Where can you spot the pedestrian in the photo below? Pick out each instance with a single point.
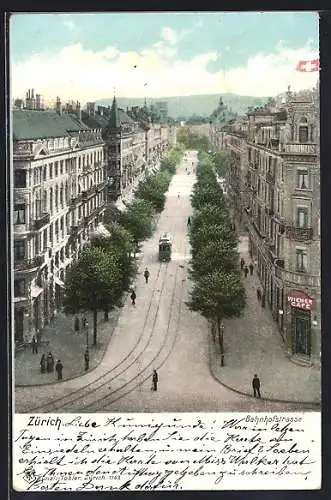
(50, 363)
(84, 322)
(256, 386)
(59, 368)
(76, 327)
(242, 263)
(133, 297)
(178, 195)
(246, 271)
(146, 274)
(155, 380)
(34, 345)
(189, 221)
(87, 360)
(43, 364)
(251, 268)
(258, 294)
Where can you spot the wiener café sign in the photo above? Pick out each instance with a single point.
(300, 300)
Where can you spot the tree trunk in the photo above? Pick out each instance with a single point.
(95, 321)
(220, 339)
(106, 315)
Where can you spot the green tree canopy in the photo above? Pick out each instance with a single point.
(138, 219)
(94, 283)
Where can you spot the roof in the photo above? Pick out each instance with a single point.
(31, 124)
(118, 116)
(94, 121)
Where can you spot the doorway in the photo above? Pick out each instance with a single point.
(301, 332)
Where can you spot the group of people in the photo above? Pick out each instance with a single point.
(47, 365)
(246, 268)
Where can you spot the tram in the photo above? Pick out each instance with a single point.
(165, 246)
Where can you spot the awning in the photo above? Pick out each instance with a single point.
(101, 231)
(59, 282)
(36, 291)
(120, 205)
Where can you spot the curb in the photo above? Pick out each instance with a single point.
(237, 391)
(75, 376)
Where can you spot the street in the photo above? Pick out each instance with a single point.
(159, 332)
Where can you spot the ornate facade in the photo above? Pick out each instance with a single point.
(58, 172)
(274, 189)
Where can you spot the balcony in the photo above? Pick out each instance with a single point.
(40, 222)
(297, 279)
(29, 264)
(270, 177)
(88, 193)
(306, 149)
(299, 233)
(93, 214)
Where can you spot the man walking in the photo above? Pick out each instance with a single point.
(155, 380)
(251, 268)
(246, 271)
(256, 386)
(133, 297)
(242, 263)
(87, 360)
(146, 275)
(34, 345)
(59, 368)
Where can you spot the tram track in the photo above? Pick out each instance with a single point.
(93, 386)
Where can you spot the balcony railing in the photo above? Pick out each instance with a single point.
(28, 264)
(88, 192)
(299, 233)
(300, 148)
(40, 222)
(296, 278)
(91, 216)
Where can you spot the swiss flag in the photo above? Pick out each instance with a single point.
(308, 66)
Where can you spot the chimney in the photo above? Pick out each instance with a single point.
(58, 106)
(91, 108)
(38, 101)
(78, 111)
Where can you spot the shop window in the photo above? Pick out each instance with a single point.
(19, 214)
(301, 260)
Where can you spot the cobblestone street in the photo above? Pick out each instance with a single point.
(160, 332)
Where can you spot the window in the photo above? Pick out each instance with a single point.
(51, 170)
(51, 234)
(19, 214)
(51, 200)
(302, 179)
(44, 172)
(56, 167)
(20, 178)
(56, 197)
(302, 217)
(301, 260)
(19, 288)
(45, 239)
(61, 167)
(19, 250)
(303, 133)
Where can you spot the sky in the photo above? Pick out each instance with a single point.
(87, 57)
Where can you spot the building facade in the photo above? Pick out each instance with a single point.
(59, 198)
(274, 189)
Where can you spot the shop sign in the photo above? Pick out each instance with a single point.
(300, 299)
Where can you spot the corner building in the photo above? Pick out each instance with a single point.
(59, 199)
(274, 189)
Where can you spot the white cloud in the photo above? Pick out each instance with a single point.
(80, 74)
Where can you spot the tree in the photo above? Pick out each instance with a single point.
(221, 162)
(210, 214)
(218, 295)
(215, 255)
(94, 283)
(138, 220)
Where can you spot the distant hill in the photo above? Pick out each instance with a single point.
(201, 105)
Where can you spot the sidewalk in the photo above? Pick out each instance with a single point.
(67, 345)
(252, 345)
